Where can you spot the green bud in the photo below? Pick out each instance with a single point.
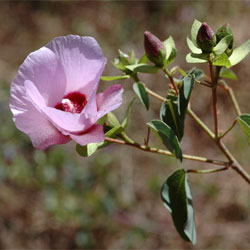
(223, 31)
(154, 49)
(206, 38)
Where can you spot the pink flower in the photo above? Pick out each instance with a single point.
(53, 97)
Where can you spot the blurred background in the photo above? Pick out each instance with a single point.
(55, 199)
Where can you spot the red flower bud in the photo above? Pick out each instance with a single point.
(206, 38)
(154, 48)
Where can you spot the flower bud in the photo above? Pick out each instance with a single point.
(223, 31)
(206, 38)
(154, 48)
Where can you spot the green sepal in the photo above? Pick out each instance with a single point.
(167, 136)
(194, 31)
(192, 47)
(176, 196)
(142, 94)
(171, 50)
(196, 58)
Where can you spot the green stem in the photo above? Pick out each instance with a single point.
(168, 153)
(201, 123)
(171, 80)
(232, 97)
(228, 130)
(206, 171)
(214, 79)
(126, 138)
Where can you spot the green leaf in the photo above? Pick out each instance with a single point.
(169, 114)
(227, 73)
(171, 50)
(167, 136)
(143, 68)
(244, 121)
(177, 197)
(143, 59)
(87, 150)
(196, 58)
(112, 120)
(192, 47)
(196, 73)
(127, 114)
(222, 45)
(222, 60)
(240, 53)
(142, 94)
(194, 31)
(184, 95)
(112, 78)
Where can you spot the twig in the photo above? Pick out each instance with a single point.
(232, 96)
(165, 152)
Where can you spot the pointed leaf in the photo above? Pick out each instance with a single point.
(196, 58)
(222, 45)
(192, 47)
(228, 73)
(143, 68)
(126, 118)
(167, 136)
(112, 78)
(169, 114)
(240, 53)
(222, 60)
(184, 95)
(177, 197)
(244, 121)
(142, 94)
(194, 31)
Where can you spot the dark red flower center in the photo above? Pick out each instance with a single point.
(73, 102)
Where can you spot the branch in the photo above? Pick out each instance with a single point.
(165, 152)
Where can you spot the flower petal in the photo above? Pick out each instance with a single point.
(109, 100)
(34, 95)
(96, 134)
(82, 60)
(68, 122)
(41, 132)
(43, 68)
